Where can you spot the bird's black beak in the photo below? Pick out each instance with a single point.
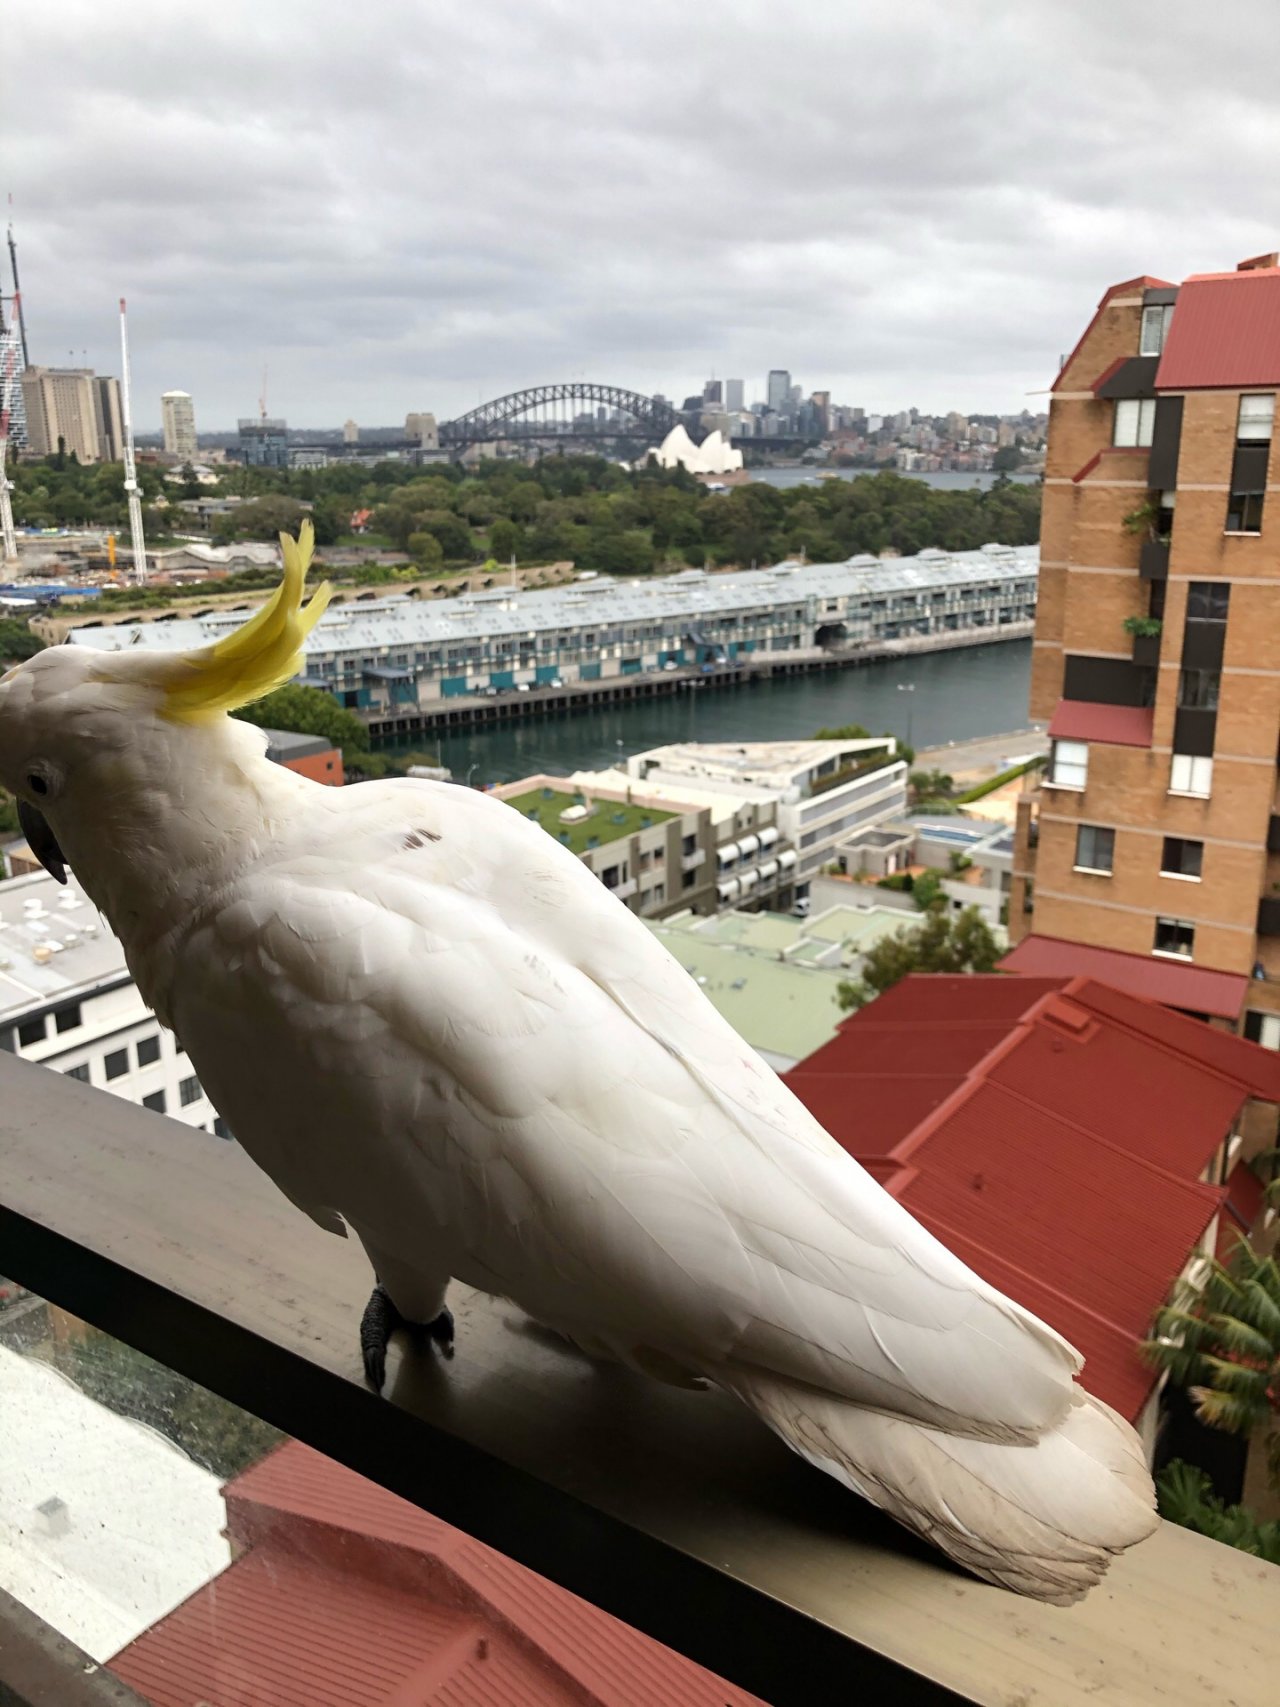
(42, 841)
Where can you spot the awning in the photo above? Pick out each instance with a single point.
(728, 853)
(1112, 725)
(787, 858)
(749, 846)
(1195, 989)
(384, 673)
(750, 879)
(728, 889)
(768, 870)
(768, 836)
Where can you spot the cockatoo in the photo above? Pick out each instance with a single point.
(430, 1024)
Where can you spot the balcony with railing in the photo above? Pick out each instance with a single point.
(672, 1509)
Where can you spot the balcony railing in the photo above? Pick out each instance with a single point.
(691, 861)
(674, 1510)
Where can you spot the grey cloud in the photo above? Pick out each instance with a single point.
(409, 206)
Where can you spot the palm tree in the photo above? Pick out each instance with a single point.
(1219, 1338)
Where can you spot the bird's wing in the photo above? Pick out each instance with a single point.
(623, 1161)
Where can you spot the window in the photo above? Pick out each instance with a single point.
(116, 1064)
(688, 879)
(1134, 422)
(1198, 690)
(1189, 775)
(1254, 423)
(1207, 601)
(689, 845)
(81, 1072)
(1244, 512)
(1069, 764)
(1095, 848)
(1262, 1028)
(1181, 858)
(1155, 329)
(31, 1031)
(6, 1039)
(1175, 937)
(67, 1019)
(155, 1101)
(221, 1129)
(189, 1091)
(148, 1050)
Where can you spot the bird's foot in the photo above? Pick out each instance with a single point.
(380, 1321)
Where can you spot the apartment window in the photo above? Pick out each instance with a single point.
(221, 1129)
(189, 1091)
(6, 1040)
(116, 1065)
(1069, 764)
(689, 846)
(1256, 415)
(148, 1051)
(1155, 329)
(1181, 858)
(1244, 512)
(1207, 601)
(67, 1019)
(611, 877)
(1175, 937)
(155, 1101)
(1198, 690)
(1189, 775)
(81, 1072)
(688, 879)
(1095, 848)
(1262, 1028)
(1135, 420)
(31, 1031)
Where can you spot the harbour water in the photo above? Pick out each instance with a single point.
(927, 700)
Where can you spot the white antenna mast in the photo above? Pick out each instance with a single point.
(130, 473)
(8, 357)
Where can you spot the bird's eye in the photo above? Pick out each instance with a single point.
(37, 784)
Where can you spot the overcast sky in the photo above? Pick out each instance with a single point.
(405, 205)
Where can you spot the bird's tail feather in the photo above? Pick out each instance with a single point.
(1044, 1519)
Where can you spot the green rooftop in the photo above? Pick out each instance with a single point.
(608, 820)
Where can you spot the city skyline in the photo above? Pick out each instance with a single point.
(650, 207)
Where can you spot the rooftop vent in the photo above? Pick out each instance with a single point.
(55, 1515)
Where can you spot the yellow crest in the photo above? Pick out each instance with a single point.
(262, 654)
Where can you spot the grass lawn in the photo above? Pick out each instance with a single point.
(609, 820)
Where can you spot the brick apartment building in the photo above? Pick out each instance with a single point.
(1149, 853)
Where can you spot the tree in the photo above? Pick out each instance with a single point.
(426, 552)
(504, 540)
(846, 732)
(942, 942)
(308, 711)
(1219, 1337)
(1186, 1497)
(17, 641)
(931, 785)
(261, 518)
(1006, 459)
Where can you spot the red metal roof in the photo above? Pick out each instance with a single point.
(1225, 332)
(1126, 286)
(1062, 1162)
(1177, 984)
(1115, 725)
(346, 1596)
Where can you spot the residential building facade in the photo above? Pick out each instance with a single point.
(67, 1001)
(1154, 833)
(823, 790)
(63, 404)
(179, 421)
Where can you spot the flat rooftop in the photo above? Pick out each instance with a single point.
(606, 822)
(53, 943)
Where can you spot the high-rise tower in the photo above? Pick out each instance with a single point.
(179, 420)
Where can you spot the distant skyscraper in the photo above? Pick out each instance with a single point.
(713, 392)
(778, 389)
(821, 401)
(733, 395)
(264, 442)
(179, 418)
(350, 433)
(65, 403)
(11, 366)
(108, 418)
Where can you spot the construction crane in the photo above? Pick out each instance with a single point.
(17, 291)
(130, 473)
(8, 379)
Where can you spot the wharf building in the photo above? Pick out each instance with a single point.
(1149, 856)
(394, 654)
